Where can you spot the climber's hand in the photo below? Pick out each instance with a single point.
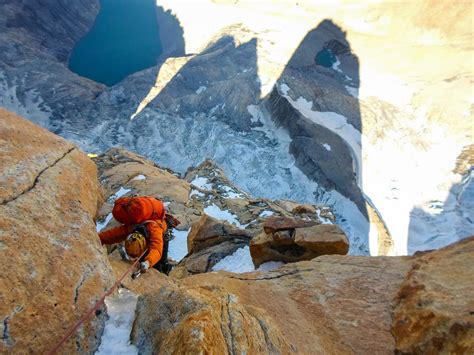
(144, 266)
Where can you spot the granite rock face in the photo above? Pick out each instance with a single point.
(322, 298)
(434, 311)
(332, 304)
(203, 319)
(53, 267)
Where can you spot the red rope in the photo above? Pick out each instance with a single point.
(86, 315)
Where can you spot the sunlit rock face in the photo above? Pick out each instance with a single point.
(371, 103)
(332, 304)
(430, 315)
(52, 268)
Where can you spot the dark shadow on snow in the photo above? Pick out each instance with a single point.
(427, 227)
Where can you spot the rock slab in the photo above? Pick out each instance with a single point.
(52, 267)
(329, 305)
(434, 311)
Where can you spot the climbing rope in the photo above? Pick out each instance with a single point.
(101, 300)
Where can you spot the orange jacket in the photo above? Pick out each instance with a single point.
(156, 231)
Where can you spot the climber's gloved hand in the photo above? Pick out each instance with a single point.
(144, 266)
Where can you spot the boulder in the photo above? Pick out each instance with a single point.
(209, 241)
(53, 267)
(434, 311)
(322, 239)
(209, 231)
(291, 240)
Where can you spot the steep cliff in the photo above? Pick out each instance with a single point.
(332, 304)
(53, 267)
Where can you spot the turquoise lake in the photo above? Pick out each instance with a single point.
(325, 58)
(124, 39)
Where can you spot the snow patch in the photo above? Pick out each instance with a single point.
(101, 225)
(178, 247)
(240, 261)
(121, 313)
(322, 219)
(196, 193)
(201, 89)
(266, 213)
(353, 91)
(230, 193)
(327, 146)
(254, 112)
(216, 212)
(284, 89)
(121, 192)
(202, 183)
(336, 65)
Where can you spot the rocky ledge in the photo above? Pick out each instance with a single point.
(331, 305)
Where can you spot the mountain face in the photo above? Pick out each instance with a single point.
(54, 269)
(321, 104)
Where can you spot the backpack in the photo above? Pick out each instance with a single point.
(136, 210)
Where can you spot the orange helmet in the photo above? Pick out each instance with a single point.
(135, 245)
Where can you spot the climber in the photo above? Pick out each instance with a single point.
(146, 227)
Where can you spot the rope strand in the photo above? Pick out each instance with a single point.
(86, 315)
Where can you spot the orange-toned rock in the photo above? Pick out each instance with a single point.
(434, 313)
(323, 239)
(329, 305)
(203, 320)
(297, 244)
(52, 267)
